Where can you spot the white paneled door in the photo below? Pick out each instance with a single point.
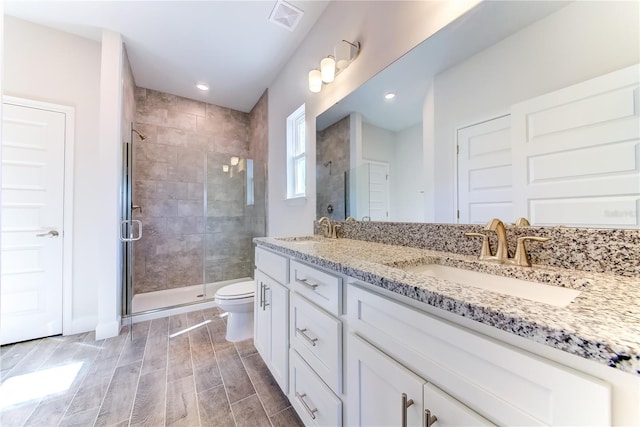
(33, 142)
(378, 191)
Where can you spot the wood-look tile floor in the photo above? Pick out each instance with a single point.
(148, 378)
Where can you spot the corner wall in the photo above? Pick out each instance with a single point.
(386, 31)
(52, 66)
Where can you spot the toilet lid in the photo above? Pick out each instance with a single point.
(236, 290)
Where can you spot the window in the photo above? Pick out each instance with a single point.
(296, 154)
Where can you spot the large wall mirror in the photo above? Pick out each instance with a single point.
(515, 109)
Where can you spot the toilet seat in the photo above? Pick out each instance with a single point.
(236, 291)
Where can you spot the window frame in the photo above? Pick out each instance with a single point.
(296, 173)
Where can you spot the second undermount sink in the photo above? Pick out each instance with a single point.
(547, 294)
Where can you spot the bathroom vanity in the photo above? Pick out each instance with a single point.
(376, 334)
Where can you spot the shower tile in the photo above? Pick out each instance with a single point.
(197, 141)
(143, 189)
(151, 116)
(184, 225)
(171, 136)
(172, 190)
(150, 170)
(181, 121)
(209, 125)
(195, 191)
(148, 130)
(190, 208)
(182, 171)
(190, 106)
(156, 152)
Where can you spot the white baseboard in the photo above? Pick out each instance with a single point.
(108, 329)
(80, 325)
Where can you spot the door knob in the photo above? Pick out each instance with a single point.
(51, 233)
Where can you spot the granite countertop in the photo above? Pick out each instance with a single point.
(601, 324)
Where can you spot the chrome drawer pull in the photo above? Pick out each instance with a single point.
(310, 340)
(405, 404)
(306, 283)
(264, 298)
(429, 419)
(310, 411)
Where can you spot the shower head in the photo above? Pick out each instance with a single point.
(142, 137)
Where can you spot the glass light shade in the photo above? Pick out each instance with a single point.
(234, 161)
(328, 69)
(315, 81)
(225, 168)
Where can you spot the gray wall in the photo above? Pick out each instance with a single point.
(332, 144)
(187, 144)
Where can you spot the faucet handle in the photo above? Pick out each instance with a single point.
(521, 257)
(485, 251)
(522, 222)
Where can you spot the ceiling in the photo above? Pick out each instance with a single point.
(230, 45)
(411, 75)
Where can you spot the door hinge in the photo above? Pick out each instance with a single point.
(457, 149)
(458, 214)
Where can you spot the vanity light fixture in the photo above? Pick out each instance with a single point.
(202, 86)
(225, 168)
(315, 81)
(389, 95)
(234, 160)
(344, 54)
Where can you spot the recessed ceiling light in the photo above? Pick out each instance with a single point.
(389, 95)
(202, 86)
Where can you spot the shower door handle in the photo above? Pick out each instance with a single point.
(127, 230)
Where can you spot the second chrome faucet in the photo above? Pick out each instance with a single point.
(521, 257)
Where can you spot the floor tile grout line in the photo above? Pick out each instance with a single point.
(224, 385)
(22, 358)
(115, 368)
(133, 403)
(281, 411)
(254, 386)
(193, 374)
(80, 385)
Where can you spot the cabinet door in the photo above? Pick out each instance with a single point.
(448, 411)
(375, 388)
(277, 297)
(262, 321)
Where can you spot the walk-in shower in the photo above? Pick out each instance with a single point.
(197, 206)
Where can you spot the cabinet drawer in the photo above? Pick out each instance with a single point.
(317, 336)
(501, 382)
(319, 287)
(448, 411)
(274, 265)
(314, 402)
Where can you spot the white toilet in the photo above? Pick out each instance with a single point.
(237, 300)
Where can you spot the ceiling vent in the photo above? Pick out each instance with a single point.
(286, 15)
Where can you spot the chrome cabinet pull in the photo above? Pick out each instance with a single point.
(261, 294)
(429, 419)
(311, 412)
(306, 283)
(310, 340)
(405, 404)
(264, 298)
(50, 233)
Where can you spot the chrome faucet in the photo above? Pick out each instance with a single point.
(502, 253)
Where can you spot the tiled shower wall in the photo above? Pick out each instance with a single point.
(332, 145)
(190, 239)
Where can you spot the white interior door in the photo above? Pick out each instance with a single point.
(32, 219)
(578, 151)
(379, 191)
(484, 171)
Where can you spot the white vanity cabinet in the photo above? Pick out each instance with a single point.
(466, 374)
(316, 352)
(271, 314)
(384, 392)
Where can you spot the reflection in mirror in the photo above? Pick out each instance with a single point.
(539, 98)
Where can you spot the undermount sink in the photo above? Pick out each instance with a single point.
(547, 294)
